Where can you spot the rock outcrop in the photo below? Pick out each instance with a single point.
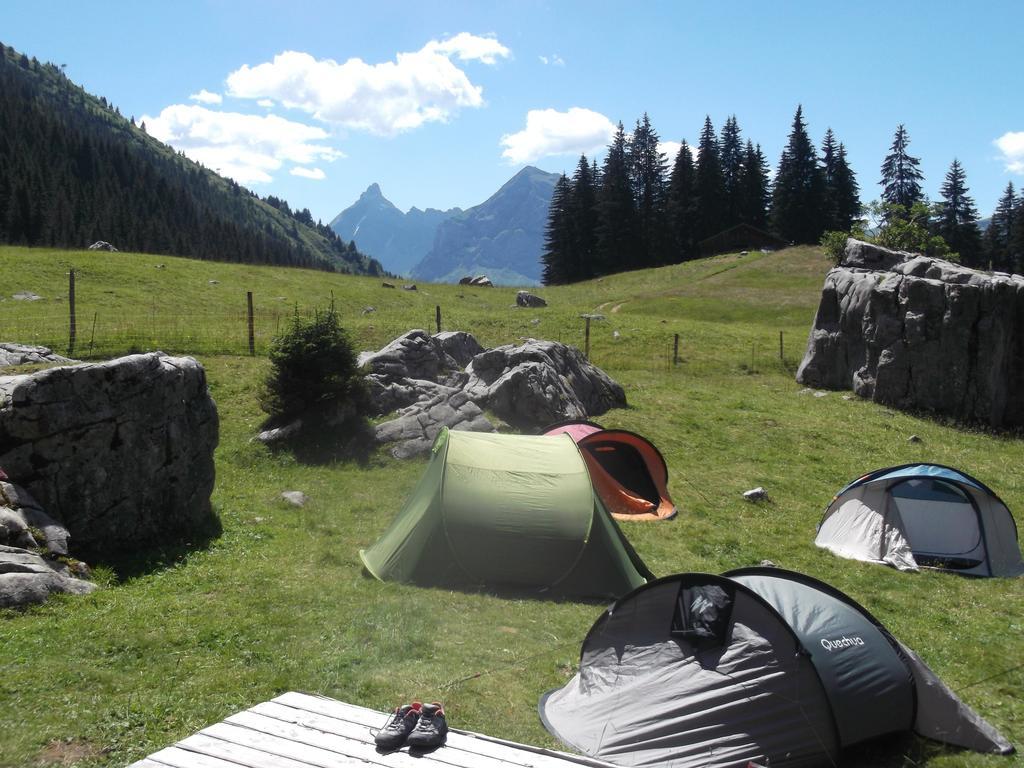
(459, 346)
(27, 577)
(421, 377)
(413, 355)
(920, 333)
(528, 386)
(417, 426)
(527, 299)
(120, 452)
(539, 382)
(34, 560)
(21, 354)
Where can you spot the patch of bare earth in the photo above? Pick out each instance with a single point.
(69, 752)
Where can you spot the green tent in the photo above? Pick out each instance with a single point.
(511, 511)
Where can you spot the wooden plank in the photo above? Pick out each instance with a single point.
(520, 754)
(298, 730)
(239, 754)
(175, 757)
(282, 748)
(351, 739)
(369, 718)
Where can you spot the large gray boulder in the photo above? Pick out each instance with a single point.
(539, 382)
(413, 355)
(23, 523)
(920, 333)
(528, 386)
(27, 577)
(416, 427)
(34, 560)
(460, 346)
(389, 394)
(120, 452)
(421, 377)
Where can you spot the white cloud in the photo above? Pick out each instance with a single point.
(470, 48)
(266, 103)
(385, 99)
(205, 97)
(1011, 144)
(549, 132)
(247, 148)
(309, 173)
(554, 59)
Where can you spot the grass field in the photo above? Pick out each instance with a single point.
(181, 638)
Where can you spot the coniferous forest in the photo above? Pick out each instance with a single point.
(637, 210)
(74, 171)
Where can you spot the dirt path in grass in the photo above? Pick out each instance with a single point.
(614, 309)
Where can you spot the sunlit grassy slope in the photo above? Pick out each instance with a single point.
(279, 602)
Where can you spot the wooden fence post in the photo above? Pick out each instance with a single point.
(675, 351)
(781, 357)
(73, 326)
(586, 342)
(437, 316)
(252, 334)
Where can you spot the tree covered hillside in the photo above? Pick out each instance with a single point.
(73, 171)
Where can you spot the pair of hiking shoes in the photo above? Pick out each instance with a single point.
(417, 725)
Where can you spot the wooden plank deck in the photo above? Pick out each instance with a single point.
(300, 730)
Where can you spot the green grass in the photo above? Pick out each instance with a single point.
(279, 602)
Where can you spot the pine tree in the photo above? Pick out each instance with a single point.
(583, 222)
(709, 186)
(797, 198)
(731, 155)
(901, 178)
(681, 205)
(956, 219)
(846, 193)
(557, 236)
(1016, 245)
(754, 190)
(617, 230)
(997, 236)
(841, 199)
(829, 160)
(647, 180)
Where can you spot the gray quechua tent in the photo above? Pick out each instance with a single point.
(759, 665)
(923, 515)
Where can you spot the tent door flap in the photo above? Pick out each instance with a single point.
(702, 614)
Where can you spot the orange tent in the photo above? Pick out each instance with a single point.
(627, 471)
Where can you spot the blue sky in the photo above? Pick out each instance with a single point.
(441, 102)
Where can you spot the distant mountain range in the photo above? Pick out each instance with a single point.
(74, 171)
(398, 240)
(503, 237)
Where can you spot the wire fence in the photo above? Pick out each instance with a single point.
(249, 328)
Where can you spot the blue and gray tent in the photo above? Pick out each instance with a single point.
(923, 515)
(758, 665)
